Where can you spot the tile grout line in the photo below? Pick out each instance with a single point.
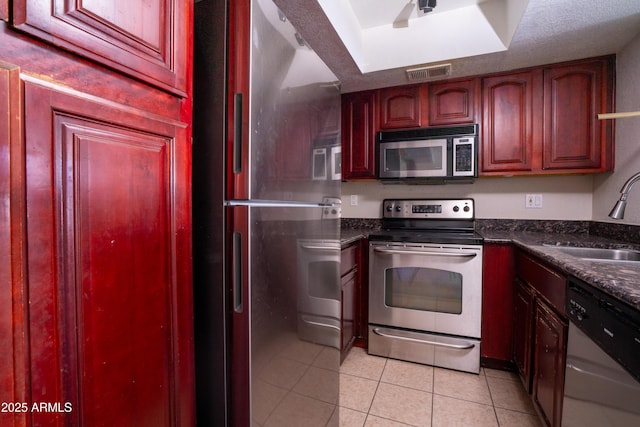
(493, 403)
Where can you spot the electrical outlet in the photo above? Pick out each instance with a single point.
(533, 201)
(354, 200)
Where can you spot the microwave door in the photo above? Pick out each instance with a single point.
(414, 159)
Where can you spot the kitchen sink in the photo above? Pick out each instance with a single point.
(600, 254)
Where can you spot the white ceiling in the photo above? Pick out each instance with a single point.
(549, 31)
(386, 34)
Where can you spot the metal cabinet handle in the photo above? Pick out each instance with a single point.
(237, 133)
(237, 271)
(410, 252)
(466, 346)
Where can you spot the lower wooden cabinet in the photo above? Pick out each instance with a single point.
(540, 334)
(347, 323)
(549, 363)
(354, 297)
(497, 302)
(523, 330)
(348, 281)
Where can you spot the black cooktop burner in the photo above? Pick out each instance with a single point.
(427, 236)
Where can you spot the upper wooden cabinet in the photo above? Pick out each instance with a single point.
(147, 40)
(510, 126)
(452, 102)
(402, 107)
(544, 120)
(535, 121)
(574, 138)
(358, 135)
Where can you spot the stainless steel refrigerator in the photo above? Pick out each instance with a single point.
(266, 217)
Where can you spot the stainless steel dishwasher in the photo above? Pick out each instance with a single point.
(602, 380)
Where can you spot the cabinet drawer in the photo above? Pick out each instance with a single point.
(550, 284)
(348, 259)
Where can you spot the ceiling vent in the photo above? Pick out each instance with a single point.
(429, 73)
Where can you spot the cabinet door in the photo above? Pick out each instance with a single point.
(109, 271)
(549, 363)
(497, 303)
(149, 40)
(347, 322)
(401, 107)
(574, 138)
(358, 135)
(523, 330)
(511, 124)
(452, 102)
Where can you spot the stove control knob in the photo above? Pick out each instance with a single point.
(398, 208)
(466, 209)
(389, 208)
(456, 209)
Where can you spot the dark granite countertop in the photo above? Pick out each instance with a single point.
(348, 236)
(618, 279)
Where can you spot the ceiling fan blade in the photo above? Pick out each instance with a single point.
(402, 20)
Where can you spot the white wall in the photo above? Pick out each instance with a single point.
(607, 188)
(564, 198)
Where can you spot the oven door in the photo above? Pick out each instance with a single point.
(319, 306)
(425, 287)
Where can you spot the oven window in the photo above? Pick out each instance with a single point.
(425, 289)
(323, 279)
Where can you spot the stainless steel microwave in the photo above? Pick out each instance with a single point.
(446, 153)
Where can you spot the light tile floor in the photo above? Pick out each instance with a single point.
(294, 385)
(375, 391)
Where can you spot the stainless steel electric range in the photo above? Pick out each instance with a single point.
(425, 283)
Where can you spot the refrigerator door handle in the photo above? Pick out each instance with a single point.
(238, 307)
(237, 134)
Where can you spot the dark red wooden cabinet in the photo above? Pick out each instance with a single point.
(350, 285)
(574, 138)
(497, 303)
(402, 107)
(453, 102)
(97, 305)
(540, 334)
(544, 120)
(108, 298)
(523, 330)
(359, 126)
(511, 122)
(147, 40)
(549, 363)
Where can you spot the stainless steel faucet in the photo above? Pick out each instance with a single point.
(618, 210)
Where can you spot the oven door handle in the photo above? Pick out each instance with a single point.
(466, 346)
(321, 248)
(410, 252)
(307, 319)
